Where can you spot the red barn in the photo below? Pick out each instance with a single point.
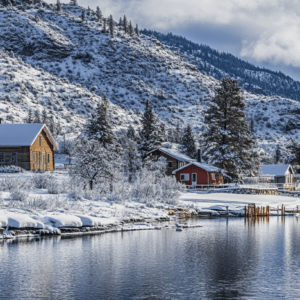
(198, 173)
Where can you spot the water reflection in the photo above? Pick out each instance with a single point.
(225, 259)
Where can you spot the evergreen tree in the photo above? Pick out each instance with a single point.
(131, 31)
(99, 128)
(131, 133)
(137, 32)
(74, 2)
(150, 135)
(178, 133)
(188, 142)
(132, 159)
(228, 142)
(104, 26)
(112, 26)
(45, 117)
(163, 130)
(294, 148)
(120, 24)
(99, 14)
(83, 18)
(277, 154)
(36, 17)
(58, 5)
(30, 117)
(89, 11)
(37, 118)
(252, 129)
(52, 127)
(125, 25)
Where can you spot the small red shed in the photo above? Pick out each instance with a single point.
(198, 173)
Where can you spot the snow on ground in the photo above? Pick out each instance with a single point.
(235, 202)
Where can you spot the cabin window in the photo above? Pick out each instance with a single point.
(14, 157)
(2, 157)
(40, 141)
(213, 176)
(170, 164)
(48, 155)
(184, 177)
(181, 164)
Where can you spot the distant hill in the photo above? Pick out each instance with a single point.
(219, 65)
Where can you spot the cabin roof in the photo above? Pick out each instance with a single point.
(174, 153)
(275, 170)
(204, 166)
(18, 135)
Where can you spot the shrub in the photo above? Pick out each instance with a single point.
(39, 180)
(53, 186)
(11, 169)
(19, 195)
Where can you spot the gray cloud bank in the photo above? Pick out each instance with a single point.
(265, 32)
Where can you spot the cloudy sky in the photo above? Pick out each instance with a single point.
(264, 32)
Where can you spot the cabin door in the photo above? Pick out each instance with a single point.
(36, 160)
(43, 167)
(194, 179)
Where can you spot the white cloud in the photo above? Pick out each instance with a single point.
(267, 30)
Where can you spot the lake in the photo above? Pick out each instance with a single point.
(224, 259)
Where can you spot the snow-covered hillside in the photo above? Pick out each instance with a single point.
(129, 70)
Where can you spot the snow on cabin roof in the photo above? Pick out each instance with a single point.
(204, 166)
(274, 170)
(16, 135)
(174, 153)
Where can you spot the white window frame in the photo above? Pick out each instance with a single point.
(16, 160)
(213, 176)
(196, 178)
(40, 141)
(2, 153)
(180, 164)
(186, 176)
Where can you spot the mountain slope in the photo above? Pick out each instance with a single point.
(129, 70)
(220, 65)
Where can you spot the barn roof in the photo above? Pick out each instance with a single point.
(204, 166)
(18, 135)
(174, 153)
(275, 170)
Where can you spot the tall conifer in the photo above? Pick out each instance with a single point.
(188, 142)
(228, 142)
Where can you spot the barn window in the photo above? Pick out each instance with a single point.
(2, 157)
(170, 164)
(48, 158)
(184, 177)
(213, 176)
(14, 157)
(40, 141)
(181, 164)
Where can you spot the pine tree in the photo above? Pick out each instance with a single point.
(45, 117)
(163, 130)
(104, 26)
(178, 133)
(52, 127)
(89, 11)
(120, 24)
(36, 18)
(74, 2)
(131, 133)
(131, 31)
(99, 128)
(132, 159)
(150, 135)
(83, 18)
(37, 118)
(252, 129)
(58, 5)
(188, 142)
(112, 26)
(228, 142)
(277, 154)
(137, 32)
(30, 117)
(294, 148)
(125, 25)
(99, 14)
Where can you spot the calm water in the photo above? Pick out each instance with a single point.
(226, 259)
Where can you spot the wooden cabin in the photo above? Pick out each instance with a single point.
(198, 174)
(30, 146)
(175, 159)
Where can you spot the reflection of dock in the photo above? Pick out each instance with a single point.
(256, 211)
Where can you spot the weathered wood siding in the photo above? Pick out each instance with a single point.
(37, 152)
(23, 156)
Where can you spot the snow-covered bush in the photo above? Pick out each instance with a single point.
(12, 183)
(39, 180)
(1, 199)
(19, 195)
(11, 169)
(54, 186)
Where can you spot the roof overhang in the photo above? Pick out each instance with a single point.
(49, 136)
